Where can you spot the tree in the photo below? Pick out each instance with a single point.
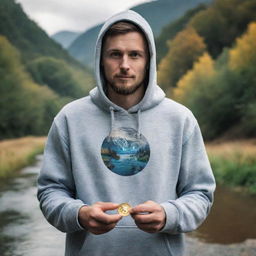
(184, 49)
(23, 103)
(223, 22)
(172, 29)
(193, 81)
(60, 77)
(243, 54)
(222, 93)
(242, 61)
(207, 91)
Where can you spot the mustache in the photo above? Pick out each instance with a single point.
(124, 76)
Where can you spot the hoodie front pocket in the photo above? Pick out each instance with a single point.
(125, 240)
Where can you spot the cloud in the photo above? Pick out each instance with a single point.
(76, 15)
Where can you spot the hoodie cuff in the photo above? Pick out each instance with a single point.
(71, 221)
(172, 218)
(77, 218)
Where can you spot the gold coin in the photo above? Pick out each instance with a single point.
(123, 209)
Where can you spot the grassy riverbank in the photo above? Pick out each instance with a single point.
(234, 163)
(17, 153)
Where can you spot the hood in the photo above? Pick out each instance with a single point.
(153, 94)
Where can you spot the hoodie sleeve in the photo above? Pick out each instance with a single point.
(195, 188)
(56, 189)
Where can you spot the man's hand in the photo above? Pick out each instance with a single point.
(149, 216)
(95, 220)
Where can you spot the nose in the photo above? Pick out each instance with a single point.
(124, 64)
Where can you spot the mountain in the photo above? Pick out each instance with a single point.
(219, 86)
(31, 41)
(37, 75)
(65, 38)
(157, 13)
(161, 12)
(83, 47)
(170, 30)
(27, 36)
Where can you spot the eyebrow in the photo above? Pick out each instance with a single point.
(118, 50)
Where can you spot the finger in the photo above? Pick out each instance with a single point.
(143, 218)
(142, 208)
(106, 218)
(99, 215)
(106, 206)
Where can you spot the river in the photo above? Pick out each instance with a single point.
(25, 232)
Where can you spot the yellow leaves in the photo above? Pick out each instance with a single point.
(241, 56)
(203, 69)
(163, 73)
(186, 39)
(184, 49)
(244, 52)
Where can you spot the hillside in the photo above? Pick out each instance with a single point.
(33, 43)
(170, 30)
(26, 35)
(83, 47)
(161, 12)
(157, 13)
(65, 38)
(209, 66)
(37, 75)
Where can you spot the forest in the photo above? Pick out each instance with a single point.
(206, 61)
(209, 65)
(37, 75)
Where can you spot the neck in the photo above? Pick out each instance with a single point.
(126, 101)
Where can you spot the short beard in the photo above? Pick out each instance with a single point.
(125, 91)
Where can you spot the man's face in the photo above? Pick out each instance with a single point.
(124, 62)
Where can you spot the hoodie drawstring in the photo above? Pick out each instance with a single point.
(112, 117)
(138, 123)
(112, 112)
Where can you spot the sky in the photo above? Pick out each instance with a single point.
(73, 15)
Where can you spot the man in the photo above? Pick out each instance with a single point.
(125, 143)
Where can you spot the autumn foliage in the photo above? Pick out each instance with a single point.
(210, 67)
(222, 92)
(184, 50)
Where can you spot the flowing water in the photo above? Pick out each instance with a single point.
(23, 229)
(25, 232)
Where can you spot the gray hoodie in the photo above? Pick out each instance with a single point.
(98, 151)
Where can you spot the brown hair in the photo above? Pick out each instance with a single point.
(121, 28)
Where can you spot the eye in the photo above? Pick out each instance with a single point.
(115, 54)
(134, 55)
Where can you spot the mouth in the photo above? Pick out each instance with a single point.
(124, 77)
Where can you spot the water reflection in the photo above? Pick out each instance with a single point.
(232, 219)
(14, 218)
(23, 230)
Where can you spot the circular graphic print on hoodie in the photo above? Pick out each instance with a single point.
(124, 152)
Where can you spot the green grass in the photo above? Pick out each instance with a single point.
(234, 164)
(235, 174)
